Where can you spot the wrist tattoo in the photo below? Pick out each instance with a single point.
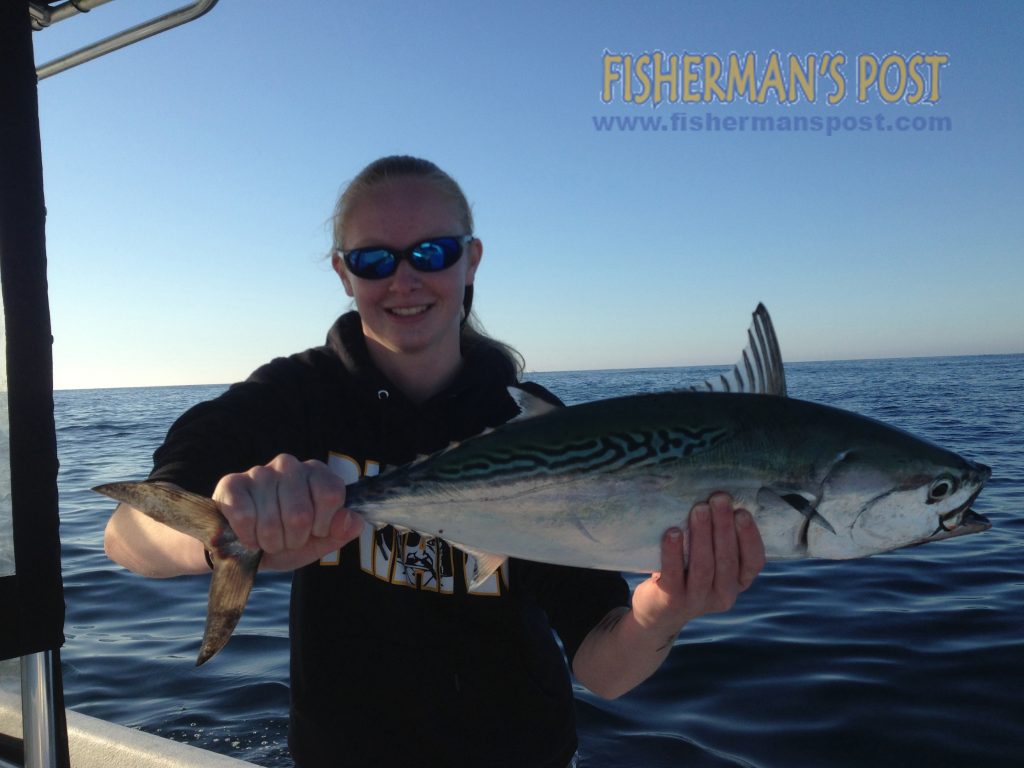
(668, 644)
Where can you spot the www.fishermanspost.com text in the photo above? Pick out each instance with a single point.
(708, 122)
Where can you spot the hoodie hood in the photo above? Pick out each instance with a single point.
(455, 413)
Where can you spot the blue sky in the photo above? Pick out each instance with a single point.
(190, 177)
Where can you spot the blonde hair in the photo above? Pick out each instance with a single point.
(387, 169)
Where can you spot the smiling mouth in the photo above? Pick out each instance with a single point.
(409, 311)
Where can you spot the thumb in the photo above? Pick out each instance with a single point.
(345, 526)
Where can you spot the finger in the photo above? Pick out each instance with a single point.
(327, 492)
(701, 572)
(263, 488)
(751, 545)
(727, 556)
(295, 505)
(671, 576)
(237, 505)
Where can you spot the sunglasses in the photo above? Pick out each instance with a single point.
(433, 255)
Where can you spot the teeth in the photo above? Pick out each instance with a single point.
(408, 311)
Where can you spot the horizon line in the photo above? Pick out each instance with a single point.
(533, 372)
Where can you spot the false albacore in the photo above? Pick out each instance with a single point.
(596, 484)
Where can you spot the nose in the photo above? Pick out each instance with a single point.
(405, 277)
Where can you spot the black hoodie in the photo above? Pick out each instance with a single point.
(393, 662)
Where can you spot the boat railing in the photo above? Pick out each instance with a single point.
(43, 15)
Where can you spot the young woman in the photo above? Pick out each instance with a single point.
(390, 651)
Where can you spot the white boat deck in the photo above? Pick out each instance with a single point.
(95, 743)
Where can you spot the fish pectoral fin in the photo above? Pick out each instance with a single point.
(819, 519)
(230, 585)
(805, 508)
(482, 566)
(777, 509)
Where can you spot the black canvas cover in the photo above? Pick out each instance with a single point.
(31, 592)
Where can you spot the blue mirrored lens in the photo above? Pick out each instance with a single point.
(435, 255)
(371, 262)
(428, 256)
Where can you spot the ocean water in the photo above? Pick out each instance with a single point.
(912, 658)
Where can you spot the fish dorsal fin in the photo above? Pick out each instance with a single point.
(759, 370)
(529, 405)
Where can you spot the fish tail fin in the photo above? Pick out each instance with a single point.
(234, 566)
(233, 577)
(189, 513)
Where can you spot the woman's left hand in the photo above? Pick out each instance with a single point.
(702, 570)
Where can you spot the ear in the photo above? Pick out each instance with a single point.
(474, 252)
(338, 265)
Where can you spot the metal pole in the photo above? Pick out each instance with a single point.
(127, 37)
(37, 710)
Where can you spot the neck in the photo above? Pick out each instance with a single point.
(419, 376)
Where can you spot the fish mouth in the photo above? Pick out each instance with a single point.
(961, 521)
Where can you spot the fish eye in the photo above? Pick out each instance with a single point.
(941, 487)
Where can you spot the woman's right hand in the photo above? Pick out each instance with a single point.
(293, 510)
